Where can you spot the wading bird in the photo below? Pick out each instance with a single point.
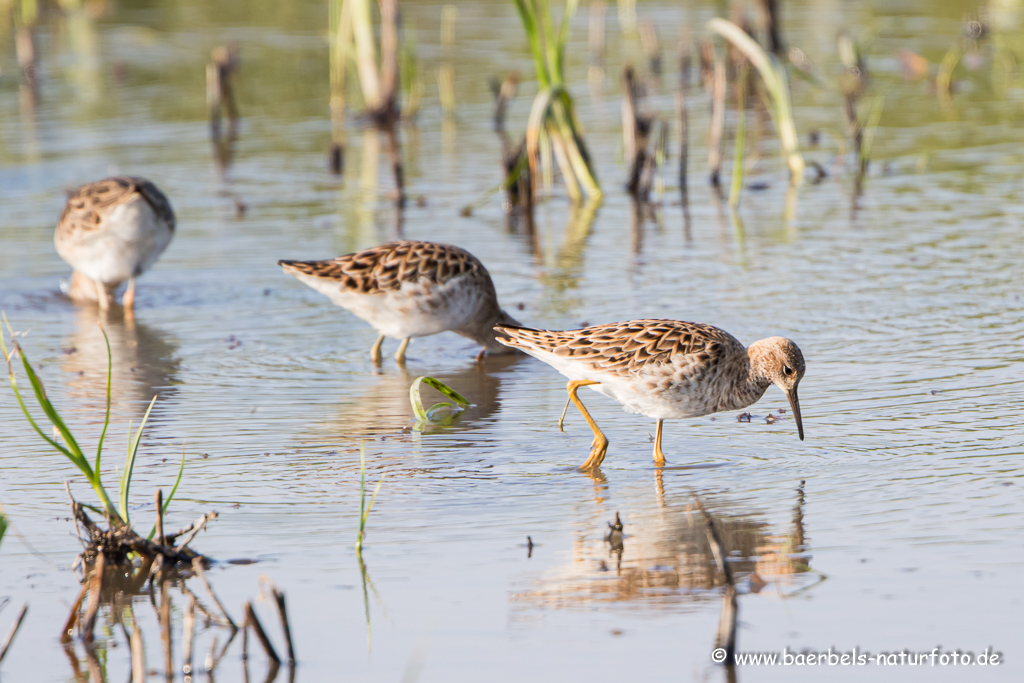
(111, 231)
(663, 369)
(409, 289)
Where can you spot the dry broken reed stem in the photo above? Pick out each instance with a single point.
(6, 644)
(93, 607)
(770, 19)
(25, 50)
(252, 621)
(684, 84)
(595, 37)
(188, 634)
(220, 92)
(707, 65)
(159, 498)
(503, 93)
(245, 641)
(651, 48)
(192, 530)
(739, 157)
(640, 139)
(725, 638)
(197, 567)
(282, 611)
(717, 123)
(446, 72)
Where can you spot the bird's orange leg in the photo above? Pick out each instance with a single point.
(102, 296)
(375, 351)
(599, 446)
(659, 457)
(400, 354)
(128, 299)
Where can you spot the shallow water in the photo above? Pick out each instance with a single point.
(895, 525)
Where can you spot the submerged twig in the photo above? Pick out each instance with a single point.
(165, 629)
(726, 636)
(93, 606)
(13, 631)
(197, 567)
(188, 634)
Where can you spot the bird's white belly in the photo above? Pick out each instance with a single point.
(132, 238)
(644, 393)
(418, 309)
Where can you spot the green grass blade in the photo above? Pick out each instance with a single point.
(78, 461)
(3, 526)
(129, 463)
(362, 486)
(871, 127)
(528, 16)
(369, 507)
(51, 413)
(417, 401)
(563, 39)
(106, 417)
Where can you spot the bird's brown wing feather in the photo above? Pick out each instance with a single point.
(385, 267)
(628, 346)
(88, 206)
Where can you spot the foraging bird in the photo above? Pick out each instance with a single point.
(110, 231)
(409, 289)
(663, 369)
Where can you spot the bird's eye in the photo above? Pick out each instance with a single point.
(786, 370)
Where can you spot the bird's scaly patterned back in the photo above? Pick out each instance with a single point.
(627, 347)
(88, 206)
(384, 268)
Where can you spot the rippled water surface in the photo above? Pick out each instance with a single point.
(896, 525)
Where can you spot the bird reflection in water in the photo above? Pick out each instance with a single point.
(669, 560)
(382, 406)
(143, 364)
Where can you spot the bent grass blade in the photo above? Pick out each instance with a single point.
(443, 413)
(773, 74)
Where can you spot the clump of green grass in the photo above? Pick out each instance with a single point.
(553, 130)
(773, 74)
(120, 539)
(3, 524)
(443, 413)
(70, 449)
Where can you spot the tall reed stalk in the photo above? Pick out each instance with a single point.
(773, 74)
(553, 130)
